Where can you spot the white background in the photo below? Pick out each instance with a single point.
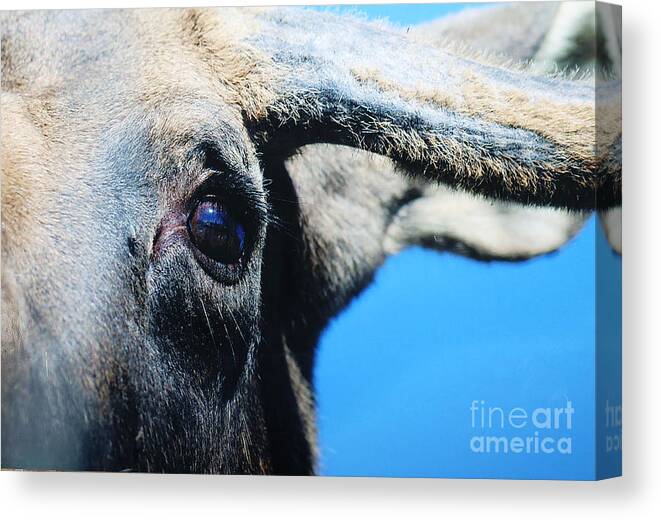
(636, 495)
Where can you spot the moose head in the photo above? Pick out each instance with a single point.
(171, 250)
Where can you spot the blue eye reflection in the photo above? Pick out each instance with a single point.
(216, 233)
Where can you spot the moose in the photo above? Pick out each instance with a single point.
(190, 195)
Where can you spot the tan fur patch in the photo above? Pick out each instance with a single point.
(246, 74)
(22, 147)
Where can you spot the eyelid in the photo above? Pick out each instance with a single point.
(235, 191)
(226, 175)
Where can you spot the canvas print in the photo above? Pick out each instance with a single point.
(375, 240)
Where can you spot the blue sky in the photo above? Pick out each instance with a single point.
(397, 371)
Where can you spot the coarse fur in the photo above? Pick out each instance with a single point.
(510, 35)
(123, 347)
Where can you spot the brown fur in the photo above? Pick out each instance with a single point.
(563, 123)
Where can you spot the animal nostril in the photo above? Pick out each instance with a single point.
(216, 233)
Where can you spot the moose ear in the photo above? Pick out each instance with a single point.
(514, 31)
(554, 36)
(448, 220)
(483, 129)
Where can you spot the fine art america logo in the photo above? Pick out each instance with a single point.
(613, 414)
(502, 430)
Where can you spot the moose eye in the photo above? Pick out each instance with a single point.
(216, 233)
